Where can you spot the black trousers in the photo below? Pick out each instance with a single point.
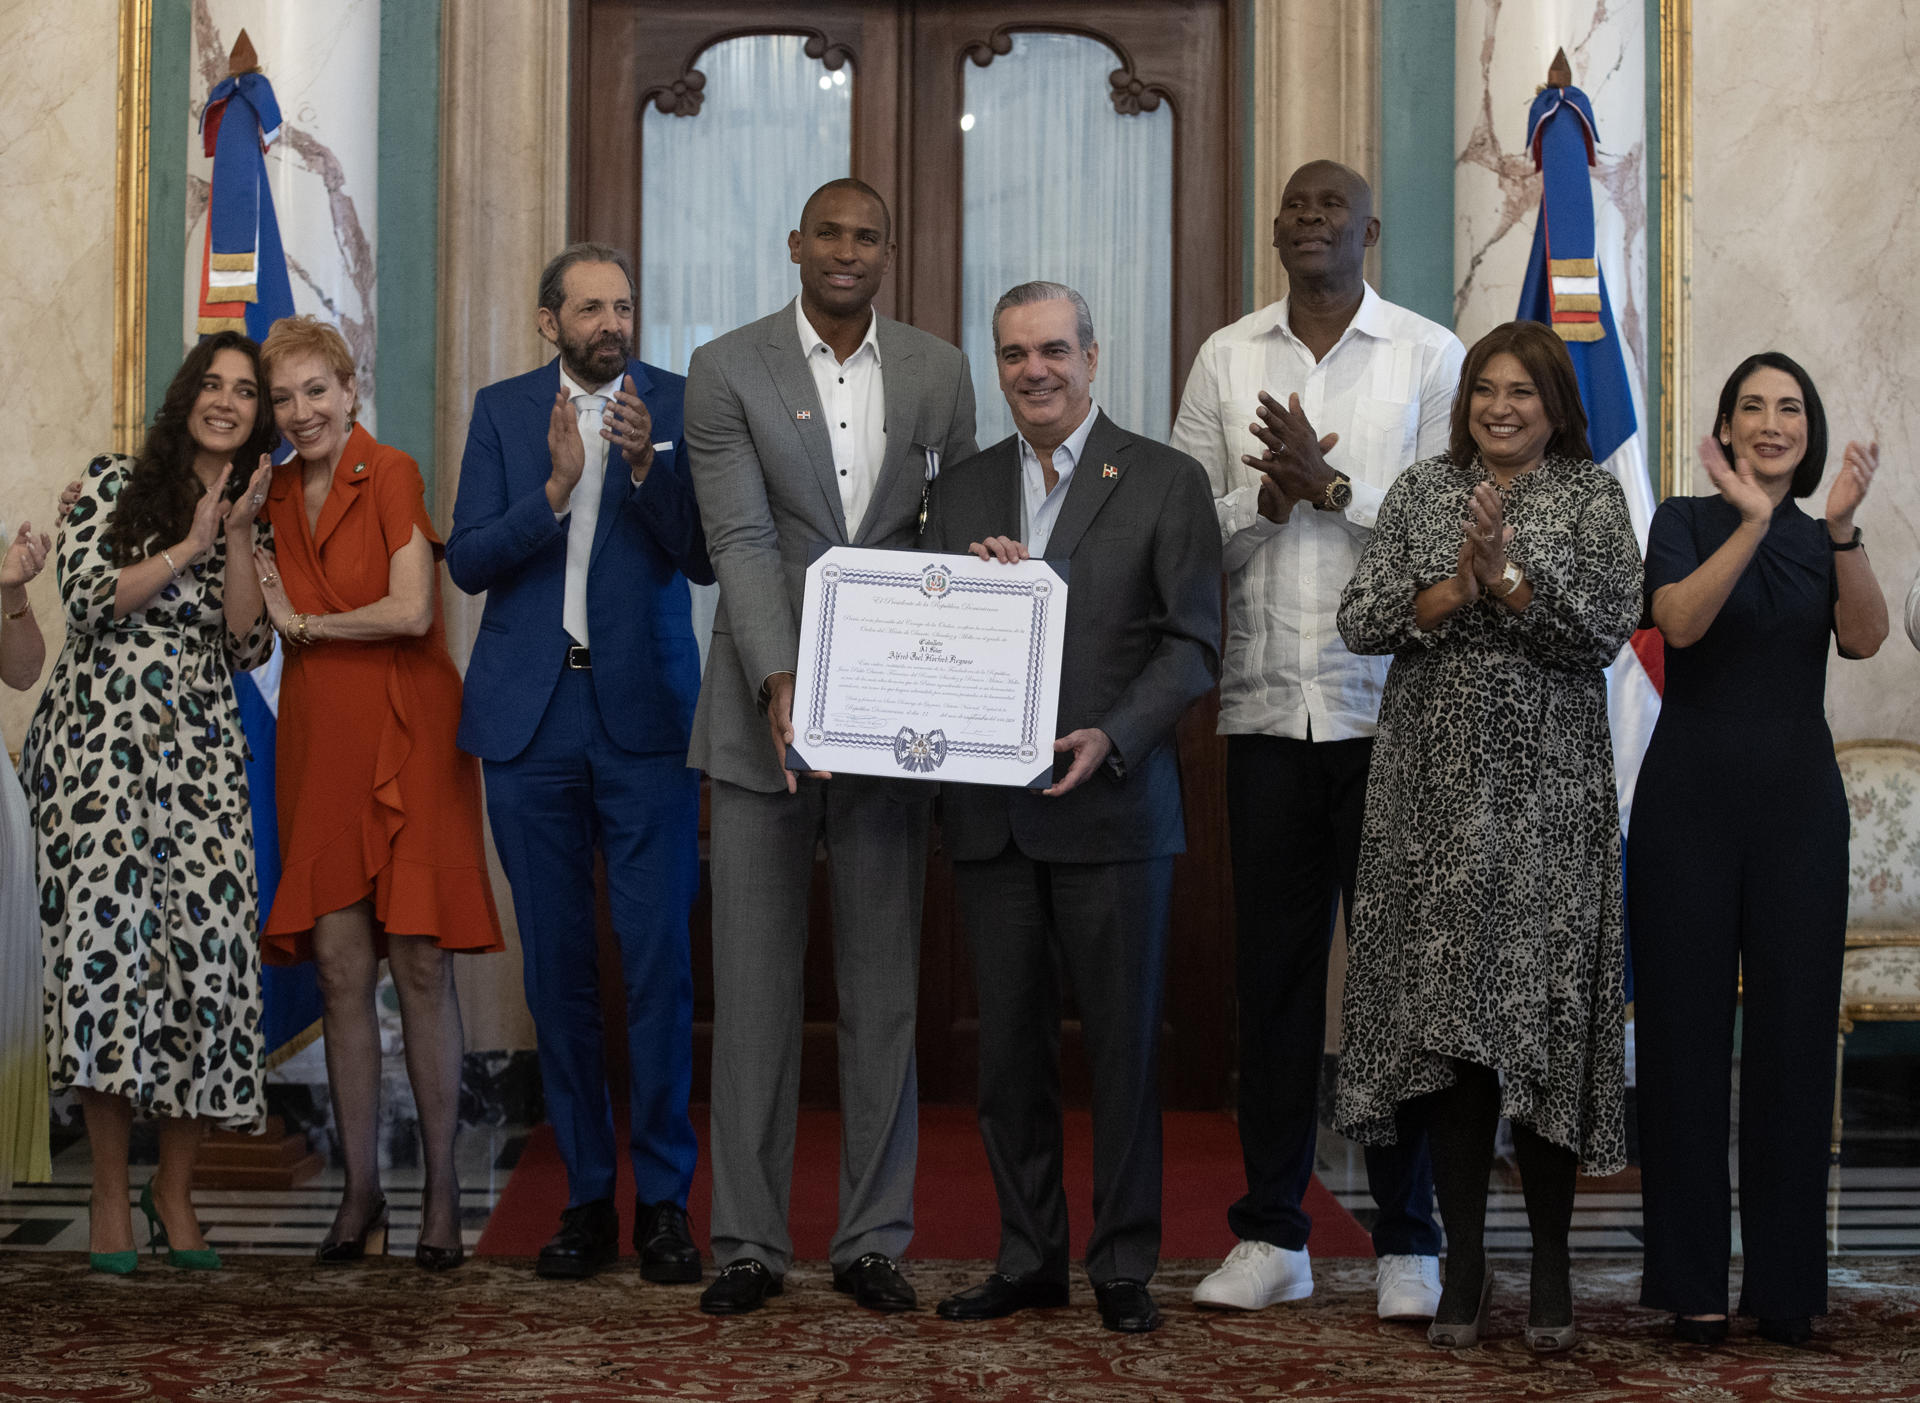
(1736, 865)
(1295, 809)
(1106, 923)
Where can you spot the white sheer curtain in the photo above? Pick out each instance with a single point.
(720, 190)
(1061, 187)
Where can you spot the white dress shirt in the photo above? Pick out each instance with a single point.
(855, 402)
(1041, 508)
(1387, 389)
(583, 507)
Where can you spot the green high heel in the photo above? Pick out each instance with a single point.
(185, 1258)
(114, 1263)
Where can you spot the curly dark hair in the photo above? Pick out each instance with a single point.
(156, 506)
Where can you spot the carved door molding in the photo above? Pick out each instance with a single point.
(631, 56)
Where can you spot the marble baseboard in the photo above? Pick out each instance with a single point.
(496, 1089)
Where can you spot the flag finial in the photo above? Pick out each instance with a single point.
(1559, 72)
(243, 59)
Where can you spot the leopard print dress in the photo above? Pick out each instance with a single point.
(1487, 924)
(135, 775)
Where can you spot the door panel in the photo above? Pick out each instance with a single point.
(641, 61)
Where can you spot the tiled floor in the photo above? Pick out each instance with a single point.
(1874, 1200)
(53, 1217)
(1870, 1209)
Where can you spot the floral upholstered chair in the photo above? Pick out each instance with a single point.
(1881, 976)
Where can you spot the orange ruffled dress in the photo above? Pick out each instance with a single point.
(375, 799)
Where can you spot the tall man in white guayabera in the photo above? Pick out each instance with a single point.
(1303, 414)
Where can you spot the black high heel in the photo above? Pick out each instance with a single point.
(429, 1258)
(439, 1258)
(1699, 1332)
(1789, 1330)
(372, 1237)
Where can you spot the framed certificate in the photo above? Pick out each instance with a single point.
(920, 665)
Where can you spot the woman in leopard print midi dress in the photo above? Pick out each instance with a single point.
(1485, 948)
(135, 774)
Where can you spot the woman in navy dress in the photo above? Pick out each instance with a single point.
(1737, 858)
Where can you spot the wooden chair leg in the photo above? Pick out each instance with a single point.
(1839, 1066)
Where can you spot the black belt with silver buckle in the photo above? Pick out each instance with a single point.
(579, 659)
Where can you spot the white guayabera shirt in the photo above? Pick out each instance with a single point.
(1387, 389)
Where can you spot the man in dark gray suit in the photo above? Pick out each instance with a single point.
(817, 426)
(1079, 875)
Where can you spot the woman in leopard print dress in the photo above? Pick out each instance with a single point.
(1485, 947)
(134, 770)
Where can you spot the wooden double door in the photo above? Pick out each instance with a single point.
(635, 60)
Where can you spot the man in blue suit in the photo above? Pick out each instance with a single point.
(577, 518)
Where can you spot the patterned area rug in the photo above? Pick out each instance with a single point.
(274, 1330)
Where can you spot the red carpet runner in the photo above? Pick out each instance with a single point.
(955, 1215)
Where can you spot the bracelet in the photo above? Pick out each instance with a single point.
(21, 612)
(1853, 544)
(167, 556)
(300, 629)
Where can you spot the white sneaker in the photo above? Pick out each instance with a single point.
(1408, 1287)
(1254, 1276)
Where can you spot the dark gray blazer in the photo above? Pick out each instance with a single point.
(1142, 641)
(769, 501)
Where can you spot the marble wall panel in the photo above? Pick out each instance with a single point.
(57, 80)
(1502, 50)
(324, 64)
(503, 213)
(1806, 211)
(1316, 96)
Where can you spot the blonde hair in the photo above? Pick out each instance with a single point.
(291, 337)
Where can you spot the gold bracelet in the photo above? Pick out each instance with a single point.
(21, 612)
(167, 556)
(292, 631)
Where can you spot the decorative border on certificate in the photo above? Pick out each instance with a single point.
(871, 704)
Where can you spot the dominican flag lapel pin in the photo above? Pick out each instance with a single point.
(1109, 470)
(801, 414)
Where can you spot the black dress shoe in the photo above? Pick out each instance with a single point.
(1002, 1295)
(1788, 1330)
(875, 1282)
(665, 1243)
(589, 1239)
(1699, 1332)
(1127, 1306)
(743, 1285)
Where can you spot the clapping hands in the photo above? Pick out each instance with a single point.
(1737, 484)
(1488, 535)
(1857, 466)
(26, 556)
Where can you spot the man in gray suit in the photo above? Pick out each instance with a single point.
(817, 426)
(1079, 875)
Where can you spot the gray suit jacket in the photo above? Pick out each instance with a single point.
(769, 501)
(1142, 642)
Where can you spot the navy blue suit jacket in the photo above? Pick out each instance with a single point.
(647, 545)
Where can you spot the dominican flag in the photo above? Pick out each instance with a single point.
(291, 993)
(1566, 289)
(243, 271)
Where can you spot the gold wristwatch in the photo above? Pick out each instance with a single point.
(1338, 494)
(1510, 579)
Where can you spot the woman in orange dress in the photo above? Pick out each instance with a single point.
(381, 853)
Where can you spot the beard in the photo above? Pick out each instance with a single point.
(594, 362)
